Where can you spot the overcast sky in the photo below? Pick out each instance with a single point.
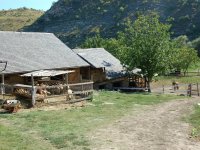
(36, 4)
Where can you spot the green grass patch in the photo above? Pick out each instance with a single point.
(167, 80)
(15, 19)
(194, 119)
(68, 128)
(14, 139)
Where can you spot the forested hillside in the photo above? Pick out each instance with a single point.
(15, 19)
(74, 20)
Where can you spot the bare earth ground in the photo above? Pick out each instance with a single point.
(158, 127)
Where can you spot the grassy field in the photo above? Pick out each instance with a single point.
(15, 19)
(167, 80)
(68, 128)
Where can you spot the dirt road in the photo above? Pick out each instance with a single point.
(158, 127)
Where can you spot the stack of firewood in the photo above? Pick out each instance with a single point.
(54, 87)
(22, 93)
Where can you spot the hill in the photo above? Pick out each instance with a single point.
(15, 19)
(74, 20)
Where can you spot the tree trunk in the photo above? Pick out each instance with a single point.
(148, 84)
(149, 87)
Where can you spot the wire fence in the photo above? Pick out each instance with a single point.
(180, 89)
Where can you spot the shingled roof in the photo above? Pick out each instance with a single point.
(100, 58)
(36, 51)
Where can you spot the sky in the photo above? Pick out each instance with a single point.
(36, 4)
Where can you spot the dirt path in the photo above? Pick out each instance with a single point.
(158, 127)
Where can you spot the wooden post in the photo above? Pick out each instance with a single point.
(66, 82)
(189, 91)
(89, 73)
(33, 91)
(163, 89)
(81, 78)
(3, 86)
(92, 88)
(2, 79)
(66, 79)
(198, 89)
(81, 82)
(92, 78)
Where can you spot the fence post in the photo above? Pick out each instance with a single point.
(66, 82)
(198, 89)
(3, 86)
(189, 91)
(163, 89)
(33, 91)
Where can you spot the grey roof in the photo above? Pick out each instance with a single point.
(26, 51)
(100, 58)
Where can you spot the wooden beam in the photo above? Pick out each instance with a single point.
(2, 87)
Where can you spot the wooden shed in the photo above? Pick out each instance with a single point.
(27, 52)
(107, 71)
(39, 53)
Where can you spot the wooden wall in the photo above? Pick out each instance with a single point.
(13, 79)
(85, 73)
(74, 77)
(98, 74)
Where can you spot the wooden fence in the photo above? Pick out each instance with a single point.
(67, 93)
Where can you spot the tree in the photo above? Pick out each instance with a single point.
(182, 56)
(196, 45)
(146, 45)
(97, 41)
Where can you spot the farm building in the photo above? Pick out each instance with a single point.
(41, 55)
(107, 71)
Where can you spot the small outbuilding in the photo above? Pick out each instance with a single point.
(106, 70)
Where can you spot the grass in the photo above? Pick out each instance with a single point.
(68, 129)
(15, 19)
(194, 119)
(167, 80)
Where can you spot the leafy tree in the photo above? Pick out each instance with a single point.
(110, 45)
(182, 56)
(146, 45)
(195, 44)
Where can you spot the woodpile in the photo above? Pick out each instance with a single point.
(41, 93)
(54, 87)
(21, 92)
